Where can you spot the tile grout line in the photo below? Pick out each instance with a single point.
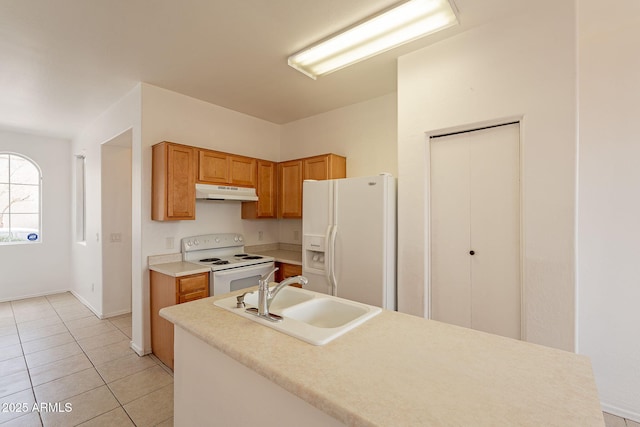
(24, 357)
(104, 381)
(64, 322)
(75, 340)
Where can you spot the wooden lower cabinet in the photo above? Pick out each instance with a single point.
(287, 270)
(167, 291)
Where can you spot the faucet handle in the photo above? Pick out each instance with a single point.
(265, 278)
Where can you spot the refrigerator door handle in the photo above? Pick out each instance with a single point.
(332, 260)
(327, 258)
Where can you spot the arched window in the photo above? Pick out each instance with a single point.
(20, 185)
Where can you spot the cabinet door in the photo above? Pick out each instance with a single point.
(266, 188)
(242, 171)
(290, 189)
(181, 183)
(213, 167)
(328, 166)
(173, 182)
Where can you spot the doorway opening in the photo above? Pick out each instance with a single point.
(116, 174)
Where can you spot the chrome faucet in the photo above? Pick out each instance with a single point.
(301, 280)
(266, 295)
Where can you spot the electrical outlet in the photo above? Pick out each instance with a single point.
(296, 235)
(116, 237)
(260, 235)
(170, 242)
(93, 287)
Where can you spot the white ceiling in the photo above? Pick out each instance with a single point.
(64, 62)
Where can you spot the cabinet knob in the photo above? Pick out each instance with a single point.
(472, 252)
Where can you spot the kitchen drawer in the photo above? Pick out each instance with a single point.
(193, 296)
(189, 284)
(289, 270)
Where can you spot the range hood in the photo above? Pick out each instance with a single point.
(225, 192)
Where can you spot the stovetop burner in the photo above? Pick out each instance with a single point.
(247, 256)
(219, 252)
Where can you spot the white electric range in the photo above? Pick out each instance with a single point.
(231, 268)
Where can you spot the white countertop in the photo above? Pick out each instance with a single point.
(398, 369)
(282, 255)
(179, 268)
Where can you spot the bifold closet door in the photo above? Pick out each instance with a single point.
(475, 230)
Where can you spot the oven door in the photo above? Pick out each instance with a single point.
(225, 281)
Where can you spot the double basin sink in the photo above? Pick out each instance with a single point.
(309, 316)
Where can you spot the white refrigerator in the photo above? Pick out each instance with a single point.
(349, 238)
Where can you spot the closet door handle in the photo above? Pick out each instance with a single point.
(472, 252)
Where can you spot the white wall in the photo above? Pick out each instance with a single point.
(87, 257)
(19, 278)
(169, 116)
(609, 200)
(116, 225)
(365, 133)
(515, 67)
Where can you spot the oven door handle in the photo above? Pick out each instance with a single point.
(243, 270)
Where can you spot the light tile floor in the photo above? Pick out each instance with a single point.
(54, 352)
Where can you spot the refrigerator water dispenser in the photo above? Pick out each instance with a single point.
(314, 248)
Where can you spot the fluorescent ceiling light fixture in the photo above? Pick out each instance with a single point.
(402, 24)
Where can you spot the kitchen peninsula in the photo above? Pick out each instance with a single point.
(393, 370)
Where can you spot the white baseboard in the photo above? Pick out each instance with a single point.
(116, 313)
(86, 303)
(40, 294)
(630, 415)
(141, 352)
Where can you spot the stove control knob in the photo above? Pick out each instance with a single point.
(217, 240)
(189, 243)
(235, 238)
(315, 258)
(196, 242)
(240, 238)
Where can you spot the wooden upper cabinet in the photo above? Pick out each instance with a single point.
(173, 182)
(292, 173)
(266, 188)
(242, 171)
(290, 189)
(327, 166)
(215, 167)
